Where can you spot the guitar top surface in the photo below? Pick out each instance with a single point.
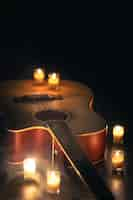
(25, 104)
(29, 87)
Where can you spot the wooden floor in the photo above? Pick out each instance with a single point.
(71, 187)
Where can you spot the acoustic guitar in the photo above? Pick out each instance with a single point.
(27, 106)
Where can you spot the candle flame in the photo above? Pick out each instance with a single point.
(53, 178)
(39, 70)
(118, 130)
(39, 74)
(54, 75)
(29, 165)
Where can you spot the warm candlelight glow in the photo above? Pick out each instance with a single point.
(118, 160)
(31, 192)
(39, 75)
(117, 185)
(29, 165)
(118, 133)
(53, 181)
(53, 80)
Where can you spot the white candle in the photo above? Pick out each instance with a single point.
(39, 75)
(29, 166)
(53, 80)
(53, 180)
(118, 133)
(118, 160)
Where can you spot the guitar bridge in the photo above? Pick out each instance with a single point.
(36, 98)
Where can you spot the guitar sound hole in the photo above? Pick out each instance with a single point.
(36, 98)
(52, 115)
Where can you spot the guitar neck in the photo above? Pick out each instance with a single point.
(79, 162)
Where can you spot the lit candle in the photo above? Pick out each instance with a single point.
(53, 180)
(53, 80)
(39, 75)
(29, 166)
(118, 158)
(118, 133)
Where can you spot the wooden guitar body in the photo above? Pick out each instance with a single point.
(27, 107)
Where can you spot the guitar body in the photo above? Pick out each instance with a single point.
(27, 107)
